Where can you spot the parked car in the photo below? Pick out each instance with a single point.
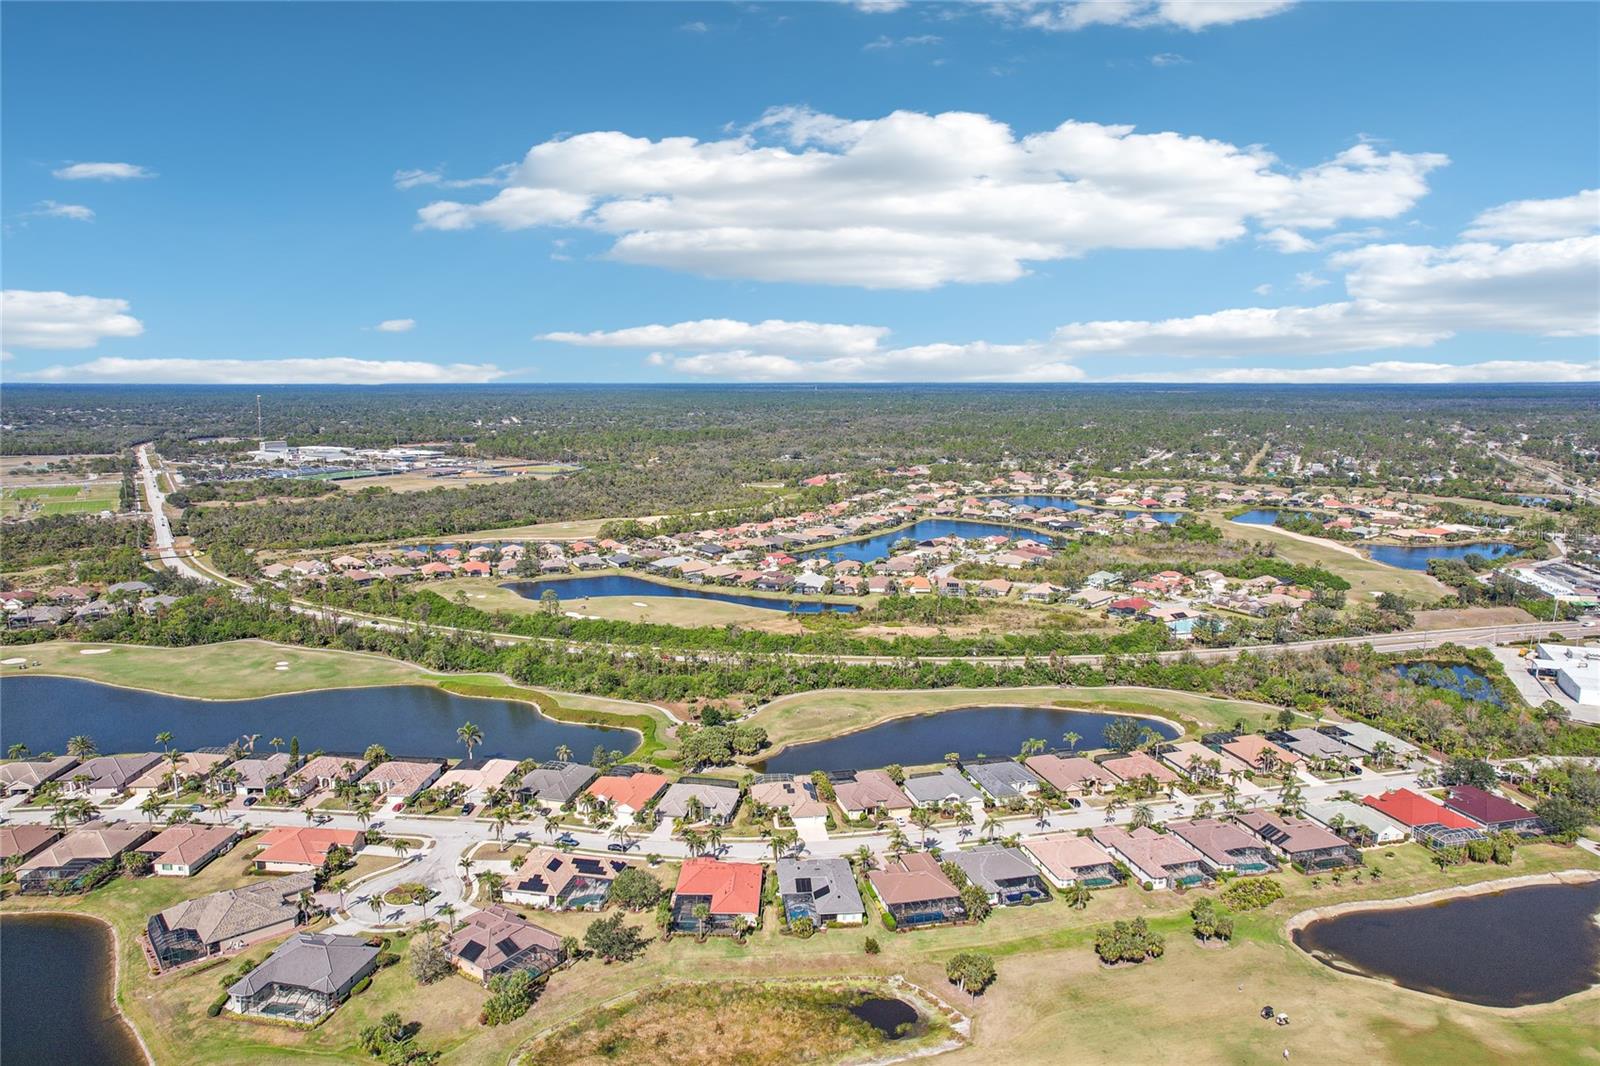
(468, 808)
(249, 801)
(616, 846)
(197, 808)
(567, 840)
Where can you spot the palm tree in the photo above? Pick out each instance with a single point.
(563, 753)
(1070, 739)
(923, 819)
(782, 840)
(174, 756)
(864, 858)
(164, 738)
(1041, 810)
(276, 742)
(447, 911)
(493, 884)
(471, 736)
(702, 915)
(218, 805)
(620, 834)
(81, 747)
(693, 841)
(1142, 816)
(502, 817)
(401, 846)
(991, 824)
(17, 751)
(714, 839)
(364, 811)
(249, 742)
(375, 904)
(1078, 896)
(341, 886)
(964, 819)
(466, 865)
(151, 806)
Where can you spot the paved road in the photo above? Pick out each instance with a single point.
(437, 866)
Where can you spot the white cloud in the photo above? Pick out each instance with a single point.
(1264, 289)
(694, 27)
(412, 178)
(53, 209)
(1194, 15)
(1168, 59)
(814, 338)
(336, 370)
(1540, 220)
(882, 42)
(879, 7)
(1307, 280)
(1287, 241)
(396, 325)
(1390, 372)
(915, 201)
(102, 172)
(60, 320)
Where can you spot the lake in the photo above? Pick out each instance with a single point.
(42, 712)
(1459, 678)
(1066, 503)
(1262, 516)
(1506, 949)
(1416, 558)
(971, 731)
(58, 1005)
(579, 588)
(875, 548)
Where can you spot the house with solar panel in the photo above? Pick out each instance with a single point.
(822, 890)
(559, 881)
(497, 941)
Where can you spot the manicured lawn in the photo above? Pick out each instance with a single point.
(1366, 577)
(487, 595)
(1053, 1003)
(826, 713)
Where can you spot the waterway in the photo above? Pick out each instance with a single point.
(1505, 949)
(1404, 557)
(970, 731)
(581, 588)
(1459, 678)
(875, 548)
(417, 720)
(58, 1005)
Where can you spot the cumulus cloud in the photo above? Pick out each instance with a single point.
(53, 209)
(1540, 220)
(336, 370)
(1398, 296)
(1391, 372)
(60, 320)
(1194, 15)
(396, 325)
(415, 177)
(879, 7)
(915, 201)
(776, 335)
(102, 172)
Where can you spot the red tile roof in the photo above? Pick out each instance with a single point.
(306, 847)
(1412, 809)
(1483, 806)
(734, 887)
(631, 792)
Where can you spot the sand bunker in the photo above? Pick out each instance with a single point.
(636, 603)
(93, 651)
(13, 662)
(280, 668)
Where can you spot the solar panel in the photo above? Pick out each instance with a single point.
(472, 951)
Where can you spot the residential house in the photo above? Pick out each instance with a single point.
(305, 978)
(21, 777)
(475, 778)
(181, 850)
(496, 941)
(1372, 742)
(821, 890)
(1136, 765)
(1005, 874)
(1429, 822)
(1128, 607)
(1227, 848)
(1361, 825)
(715, 798)
(1259, 753)
(257, 776)
(1156, 859)
(795, 796)
(1199, 763)
(1300, 840)
(109, 775)
(628, 793)
(192, 766)
(555, 880)
(1003, 779)
(227, 921)
(399, 779)
(21, 842)
(71, 859)
(292, 849)
(916, 892)
(555, 782)
(1314, 744)
(1495, 814)
(324, 772)
(1067, 774)
(1066, 859)
(731, 890)
(872, 792)
(935, 788)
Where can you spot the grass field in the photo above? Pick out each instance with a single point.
(88, 497)
(815, 715)
(1366, 577)
(486, 594)
(1052, 1003)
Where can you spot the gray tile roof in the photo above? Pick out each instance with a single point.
(1003, 779)
(830, 883)
(988, 865)
(558, 782)
(322, 962)
(221, 916)
(940, 785)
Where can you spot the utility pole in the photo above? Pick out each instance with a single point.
(259, 434)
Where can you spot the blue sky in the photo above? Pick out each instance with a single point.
(1173, 191)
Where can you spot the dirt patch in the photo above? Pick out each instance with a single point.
(1463, 617)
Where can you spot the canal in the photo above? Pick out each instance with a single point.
(875, 548)
(581, 588)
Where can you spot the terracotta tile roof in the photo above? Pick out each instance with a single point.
(306, 847)
(184, 845)
(631, 792)
(1411, 809)
(734, 887)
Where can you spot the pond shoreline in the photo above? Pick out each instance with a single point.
(115, 976)
(1439, 895)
